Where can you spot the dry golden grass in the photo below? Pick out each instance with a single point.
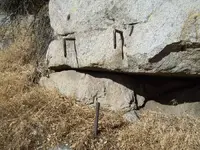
(33, 118)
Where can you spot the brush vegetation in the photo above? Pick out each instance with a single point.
(34, 118)
(22, 7)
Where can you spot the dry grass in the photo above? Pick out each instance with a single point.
(22, 7)
(33, 118)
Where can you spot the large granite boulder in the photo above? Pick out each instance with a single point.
(154, 36)
(127, 36)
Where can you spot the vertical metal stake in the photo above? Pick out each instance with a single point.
(96, 119)
(114, 39)
(64, 48)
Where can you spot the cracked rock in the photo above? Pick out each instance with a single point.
(152, 35)
(112, 91)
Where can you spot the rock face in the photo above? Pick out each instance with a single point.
(178, 96)
(126, 36)
(88, 88)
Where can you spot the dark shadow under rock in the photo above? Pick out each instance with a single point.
(164, 90)
(128, 92)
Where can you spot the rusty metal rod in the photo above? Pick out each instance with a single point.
(114, 39)
(64, 48)
(96, 119)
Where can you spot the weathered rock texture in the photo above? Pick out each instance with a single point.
(131, 116)
(178, 96)
(127, 36)
(190, 109)
(154, 36)
(88, 88)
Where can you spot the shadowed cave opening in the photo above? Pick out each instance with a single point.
(166, 90)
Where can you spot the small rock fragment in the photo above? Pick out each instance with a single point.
(131, 116)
